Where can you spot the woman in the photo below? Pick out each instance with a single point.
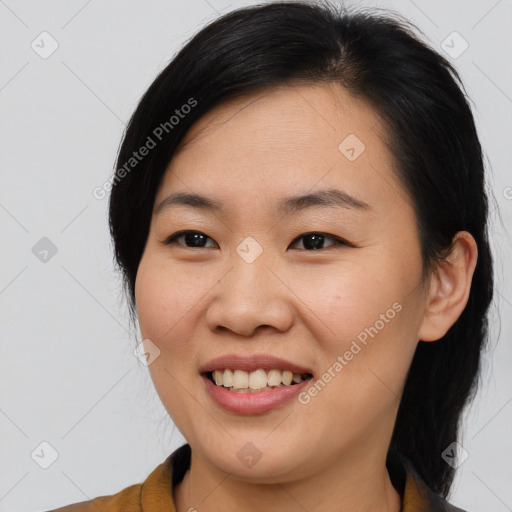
(300, 218)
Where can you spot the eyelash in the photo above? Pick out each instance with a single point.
(339, 241)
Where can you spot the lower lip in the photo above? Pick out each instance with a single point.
(253, 403)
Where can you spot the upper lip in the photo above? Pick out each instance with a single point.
(250, 363)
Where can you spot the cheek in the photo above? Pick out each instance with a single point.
(366, 341)
(165, 300)
(364, 312)
(348, 299)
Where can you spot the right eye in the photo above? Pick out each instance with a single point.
(196, 239)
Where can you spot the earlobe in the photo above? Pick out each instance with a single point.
(449, 288)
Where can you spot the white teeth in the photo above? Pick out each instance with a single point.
(274, 377)
(217, 377)
(227, 379)
(240, 379)
(258, 380)
(287, 377)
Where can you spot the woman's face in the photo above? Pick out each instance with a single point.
(249, 284)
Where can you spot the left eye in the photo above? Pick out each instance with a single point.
(310, 241)
(314, 241)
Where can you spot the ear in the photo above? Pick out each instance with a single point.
(449, 288)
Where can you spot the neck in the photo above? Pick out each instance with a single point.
(354, 483)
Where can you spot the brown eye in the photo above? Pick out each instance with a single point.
(192, 239)
(315, 241)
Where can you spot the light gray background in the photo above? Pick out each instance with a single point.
(67, 373)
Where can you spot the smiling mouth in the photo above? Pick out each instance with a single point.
(240, 381)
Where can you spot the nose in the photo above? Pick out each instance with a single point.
(250, 297)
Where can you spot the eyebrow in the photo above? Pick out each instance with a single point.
(322, 198)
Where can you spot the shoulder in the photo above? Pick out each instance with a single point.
(152, 495)
(416, 494)
(420, 497)
(127, 499)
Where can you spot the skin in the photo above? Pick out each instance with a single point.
(305, 305)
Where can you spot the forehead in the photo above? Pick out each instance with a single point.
(284, 139)
(289, 114)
